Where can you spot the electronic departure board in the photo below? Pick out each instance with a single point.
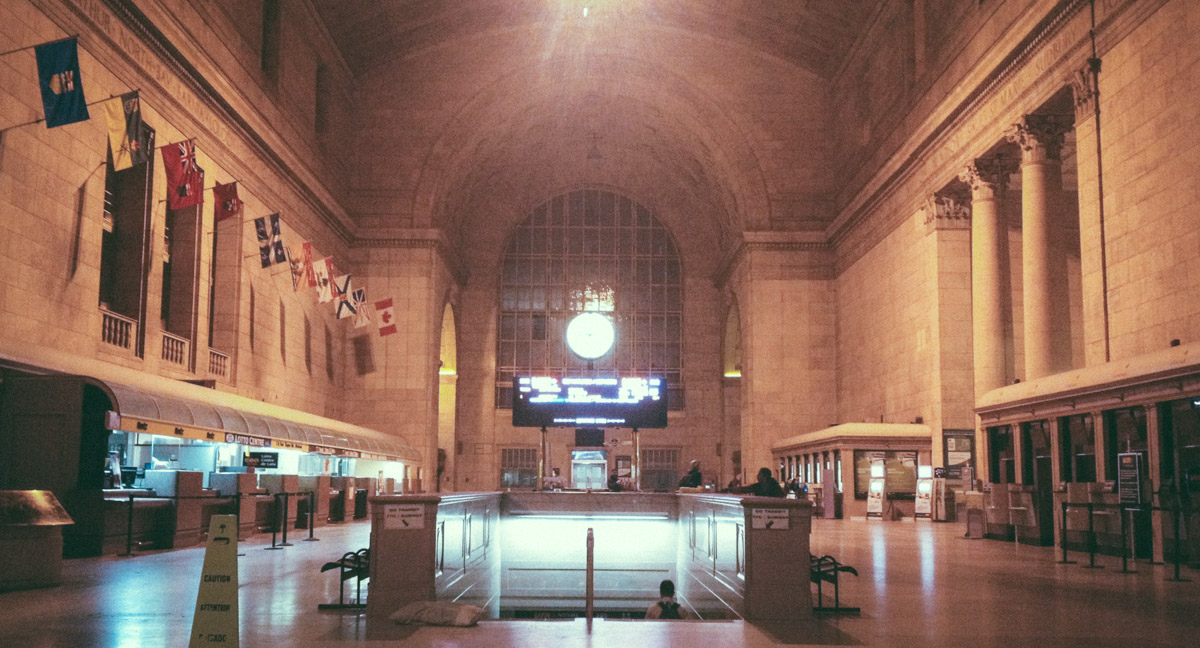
(589, 402)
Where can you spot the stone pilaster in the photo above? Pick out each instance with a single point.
(991, 296)
(1047, 297)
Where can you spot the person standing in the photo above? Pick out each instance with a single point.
(693, 478)
(666, 607)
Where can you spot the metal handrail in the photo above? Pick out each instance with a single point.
(589, 588)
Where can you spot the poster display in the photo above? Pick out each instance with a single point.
(900, 472)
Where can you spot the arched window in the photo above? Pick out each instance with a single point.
(590, 250)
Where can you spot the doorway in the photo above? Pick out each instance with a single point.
(589, 469)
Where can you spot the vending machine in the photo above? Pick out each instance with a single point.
(924, 497)
(877, 490)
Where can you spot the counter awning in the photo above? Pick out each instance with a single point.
(210, 415)
(883, 432)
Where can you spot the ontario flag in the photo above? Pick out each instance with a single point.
(270, 243)
(185, 179)
(128, 138)
(323, 270)
(227, 203)
(62, 88)
(387, 318)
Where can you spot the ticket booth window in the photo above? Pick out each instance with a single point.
(1001, 457)
(1179, 425)
(1077, 448)
(1035, 456)
(1124, 431)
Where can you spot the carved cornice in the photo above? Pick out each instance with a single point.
(1083, 85)
(946, 212)
(418, 240)
(774, 242)
(988, 176)
(1039, 136)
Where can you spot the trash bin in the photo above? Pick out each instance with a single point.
(31, 545)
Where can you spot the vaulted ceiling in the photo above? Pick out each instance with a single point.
(715, 112)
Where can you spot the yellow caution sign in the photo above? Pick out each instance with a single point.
(216, 619)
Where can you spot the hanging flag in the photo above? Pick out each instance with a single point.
(62, 88)
(387, 319)
(226, 202)
(296, 263)
(341, 292)
(270, 243)
(185, 179)
(128, 139)
(306, 252)
(362, 315)
(323, 269)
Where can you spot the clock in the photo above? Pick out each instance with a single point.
(590, 335)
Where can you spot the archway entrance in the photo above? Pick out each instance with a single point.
(447, 392)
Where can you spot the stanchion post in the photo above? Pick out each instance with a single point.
(312, 515)
(1125, 542)
(284, 520)
(1178, 547)
(275, 526)
(1091, 507)
(1062, 537)
(237, 512)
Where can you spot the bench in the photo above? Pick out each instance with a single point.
(352, 564)
(827, 569)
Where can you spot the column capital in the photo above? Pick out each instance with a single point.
(946, 212)
(1039, 136)
(1083, 85)
(988, 176)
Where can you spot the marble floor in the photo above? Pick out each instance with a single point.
(919, 585)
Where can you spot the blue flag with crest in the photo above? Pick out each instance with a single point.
(62, 89)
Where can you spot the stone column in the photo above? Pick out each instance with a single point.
(991, 298)
(1047, 294)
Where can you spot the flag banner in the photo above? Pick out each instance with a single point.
(362, 315)
(277, 240)
(226, 202)
(62, 88)
(341, 285)
(270, 244)
(185, 179)
(306, 252)
(387, 319)
(341, 292)
(264, 241)
(321, 270)
(128, 139)
(296, 263)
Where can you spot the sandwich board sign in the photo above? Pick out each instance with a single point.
(216, 620)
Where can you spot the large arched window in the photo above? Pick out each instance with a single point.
(590, 250)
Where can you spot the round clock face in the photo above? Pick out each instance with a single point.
(590, 335)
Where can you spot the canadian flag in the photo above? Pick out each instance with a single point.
(387, 319)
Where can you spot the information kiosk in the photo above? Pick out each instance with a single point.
(924, 496)
(877, 491)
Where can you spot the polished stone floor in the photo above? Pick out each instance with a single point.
(919, 585)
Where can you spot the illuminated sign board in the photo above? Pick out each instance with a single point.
(589, 402)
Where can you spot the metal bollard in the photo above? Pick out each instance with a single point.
(275, 526)
(1062, 537)
(1092, 538)
(1125, 543)
(1178, 547)
(284, 520)
(590, 593)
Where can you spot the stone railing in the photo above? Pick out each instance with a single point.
(175, 349)
(117, 330)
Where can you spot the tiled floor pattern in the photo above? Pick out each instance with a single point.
(919, 585)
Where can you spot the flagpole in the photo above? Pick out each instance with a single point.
(22, 49)
(43, 118)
